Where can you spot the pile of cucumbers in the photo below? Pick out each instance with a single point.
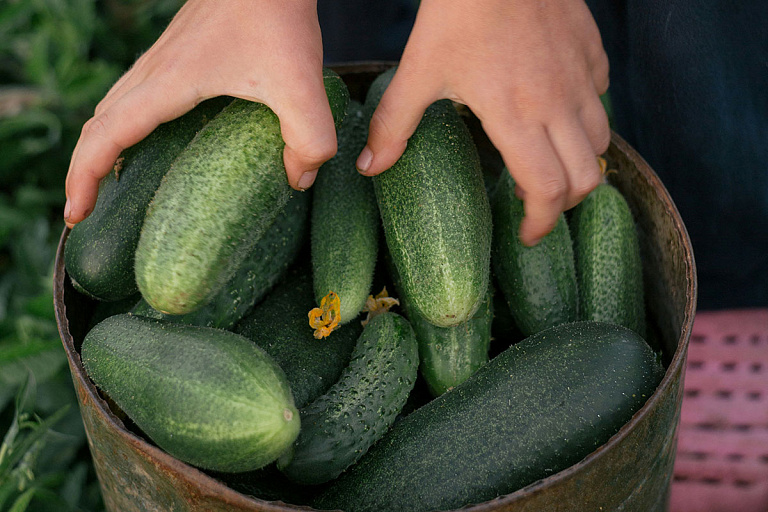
(209, 264)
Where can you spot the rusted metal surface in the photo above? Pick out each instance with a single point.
(631, 472)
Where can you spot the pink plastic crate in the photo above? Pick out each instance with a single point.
(722, 454)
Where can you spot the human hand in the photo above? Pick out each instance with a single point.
(531, 71)
(269, 51)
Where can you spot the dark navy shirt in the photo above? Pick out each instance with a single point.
(689, 90)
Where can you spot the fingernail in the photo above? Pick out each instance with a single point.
(307, 179)
(365, 159)
(67, 210)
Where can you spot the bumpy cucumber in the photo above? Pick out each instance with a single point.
(266, 263)
(345, 222)
(206, 396)
(341, 425)
(436, 216)
(219, 197)
(537, 408)
(280, 326)
(448, 355)
(538, 282)
(608, 265)
(99, 253)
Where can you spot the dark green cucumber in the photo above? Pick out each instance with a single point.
(537, 408)
(539, 282)
(340, 426)
(608, 265)
(279, 325)
(449, 355)
(436, 216)
(208, 397)
(99, 253)
(267, 262)
(345, 222)
(219, 197)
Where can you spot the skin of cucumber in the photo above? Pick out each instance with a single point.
(340, 426)
(540, 406)
(448, 355)
(608, 263)
(267, 262)
(280, 326)
(208, 397)
(219, 197)
(345, 222)
(539, 282)
(99, 254)
(436, 215)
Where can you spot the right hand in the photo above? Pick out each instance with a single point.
(531, 71)
(268, 51)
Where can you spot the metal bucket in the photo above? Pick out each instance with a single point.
(631, 472)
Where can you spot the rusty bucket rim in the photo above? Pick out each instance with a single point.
(210, 486)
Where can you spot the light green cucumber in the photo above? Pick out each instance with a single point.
(340, 426)
(436, 215)
(608, 264)
(266, 263)
(449, 355)
(208, 397)
(539, 407)
(539, 282)
(219, 197)
(345, 222)
(279, 325)
(99, 253)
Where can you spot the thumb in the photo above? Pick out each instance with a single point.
(393, 122)
(309, 133)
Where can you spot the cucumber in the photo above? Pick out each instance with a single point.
(99, 253)
(537, 408)
(267, 262)
(341, 425)
(539, 282)
(608, 265)
(345, 222)
(206, 396)
(219, 197)
(436, 215)
(280, 326)
(449, 355)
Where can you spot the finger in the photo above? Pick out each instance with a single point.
(600, 72)
(115, 92)
(594, 119)
(578, 158)
(106, 135)
(393, 122)
(308, 130)
(539, 176)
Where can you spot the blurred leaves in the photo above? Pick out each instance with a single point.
(41, 463)
(58, 58)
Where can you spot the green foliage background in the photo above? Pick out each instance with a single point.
(57, 60)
